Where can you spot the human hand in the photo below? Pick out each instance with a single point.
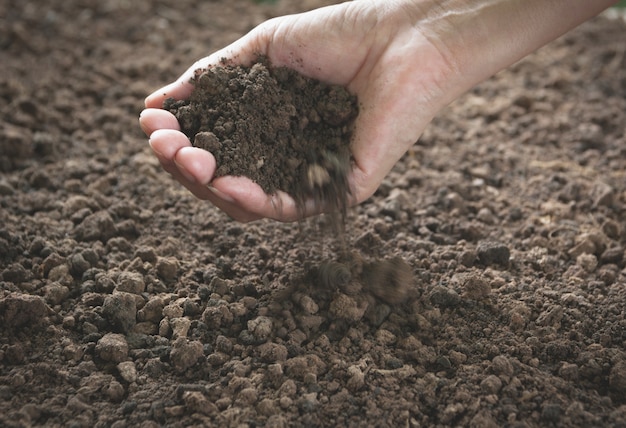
(404, 59)
(369, 47)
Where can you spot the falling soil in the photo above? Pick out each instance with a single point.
(281, 129)
(483, 285)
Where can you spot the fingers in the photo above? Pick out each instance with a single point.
(152, 119)
(251, 198)
(194, 168)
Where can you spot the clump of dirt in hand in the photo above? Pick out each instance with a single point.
(279, 128)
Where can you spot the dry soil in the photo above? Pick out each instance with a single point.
(124, 301)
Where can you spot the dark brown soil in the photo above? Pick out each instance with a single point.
(124, 301)
(281, 129)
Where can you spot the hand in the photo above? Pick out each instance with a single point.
(369, 47)
(404, 59)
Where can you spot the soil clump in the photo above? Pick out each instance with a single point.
(279, 128)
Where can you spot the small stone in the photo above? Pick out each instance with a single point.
(112, 347)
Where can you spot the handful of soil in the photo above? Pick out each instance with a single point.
(279, 128)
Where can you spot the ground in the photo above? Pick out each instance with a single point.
(124, 301)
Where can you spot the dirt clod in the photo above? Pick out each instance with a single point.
(279, 128)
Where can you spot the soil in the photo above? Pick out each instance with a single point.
(124, 301)
(281, 129)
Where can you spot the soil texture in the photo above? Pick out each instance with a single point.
(279, 128)
(124, 301)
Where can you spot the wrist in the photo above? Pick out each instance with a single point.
(478, 38)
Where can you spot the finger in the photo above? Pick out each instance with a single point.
(196, 164)
(251, 198)
(179, 90)
(165, 143)
(194, 168)
(152, 119)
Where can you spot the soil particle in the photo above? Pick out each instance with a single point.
(261, 121)
(112, 347)
(22, 310)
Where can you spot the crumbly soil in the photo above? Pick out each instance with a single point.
(281, 129)
(124, 301)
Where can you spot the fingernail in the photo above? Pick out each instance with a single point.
(158, 153)
(185, 173)
(221, 194)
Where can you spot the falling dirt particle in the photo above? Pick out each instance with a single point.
(389, 280)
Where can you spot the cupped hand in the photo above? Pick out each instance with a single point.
(373, 48)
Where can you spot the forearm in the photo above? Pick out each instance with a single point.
(478, 38)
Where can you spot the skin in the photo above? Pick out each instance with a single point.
(404, 59)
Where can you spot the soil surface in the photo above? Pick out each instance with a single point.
(279, 128)
(124, 301)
